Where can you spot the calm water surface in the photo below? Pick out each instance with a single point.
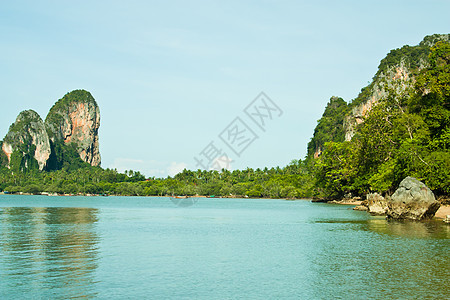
(129, 247)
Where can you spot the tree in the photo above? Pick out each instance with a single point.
(432, 100)
(334, 172)
(330, 128)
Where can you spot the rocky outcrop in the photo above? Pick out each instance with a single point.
(360, 208)
(431, 40)
(412, 200)
(28, 136)
(395, 77)
(376, 204)
(75, 119)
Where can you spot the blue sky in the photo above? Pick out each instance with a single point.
(170, 76)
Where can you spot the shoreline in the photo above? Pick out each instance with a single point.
(442, 212)
(150, 196)
(346, 202)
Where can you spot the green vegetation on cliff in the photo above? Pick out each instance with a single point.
(3, 157)
(19, 131)
(68, 139)
(61, 108)
(330, 127)
(405, 134)
(23, 137)
(64, 156)
(414, 58)
(405, 131)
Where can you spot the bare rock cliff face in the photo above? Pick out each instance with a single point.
(28, 135)
(76, 119)
(395, 77)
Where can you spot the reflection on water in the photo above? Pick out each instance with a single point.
(410, 229)
(140, 248)
(48, 252)
(435, 229)
(374, 258)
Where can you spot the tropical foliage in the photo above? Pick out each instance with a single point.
(330, 127)
(407, 133)
(293, 181)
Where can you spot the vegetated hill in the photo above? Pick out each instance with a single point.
(330, 127)
(396, 73)
(398, 126)
(68, 138)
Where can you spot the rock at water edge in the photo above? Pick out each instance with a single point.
(412, 200)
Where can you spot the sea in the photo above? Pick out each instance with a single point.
(201, 248)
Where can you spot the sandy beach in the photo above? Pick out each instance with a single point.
(443, 211)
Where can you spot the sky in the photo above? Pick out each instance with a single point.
(179, 81)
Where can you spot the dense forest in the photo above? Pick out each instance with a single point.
(407, 133)
(292, 181)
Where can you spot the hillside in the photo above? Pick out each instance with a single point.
(398, 126)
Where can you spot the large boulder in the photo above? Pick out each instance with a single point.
(75, 119)
(28, 139)
(412, 200)
(376, 204)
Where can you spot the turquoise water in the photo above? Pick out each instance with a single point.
(148, 248)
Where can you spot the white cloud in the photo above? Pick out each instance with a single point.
(176, 168)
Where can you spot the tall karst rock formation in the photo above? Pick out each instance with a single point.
(75, 119)
(71, 126)
(26, 142)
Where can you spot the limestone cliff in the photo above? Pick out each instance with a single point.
(75, 119)
(395, 77)
(27, 137)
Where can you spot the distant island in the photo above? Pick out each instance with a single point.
(398, 126)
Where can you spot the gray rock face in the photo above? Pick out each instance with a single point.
(431, 40)
(28, 135)
(412, 200)
(376, 204)
(76, 119)
(397, 79)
